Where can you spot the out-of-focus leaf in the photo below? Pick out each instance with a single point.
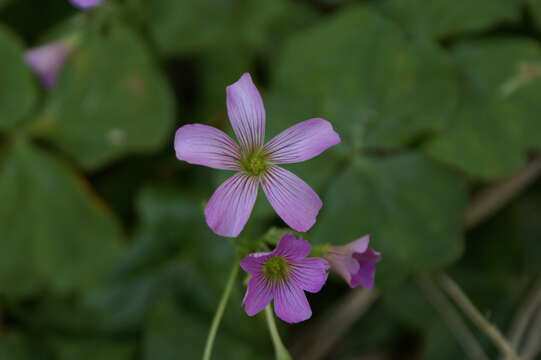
(181, 27)
(498, 118)
(389, 89)
(535, 8)
(409, 304)
(16, 346)
(411, 205)
(170, 329)
(441, 344)
(18, 91)
(92, 349)
(110, 101)
(438, 18)
(55, 233)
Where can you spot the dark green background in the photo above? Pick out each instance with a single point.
(104, 252)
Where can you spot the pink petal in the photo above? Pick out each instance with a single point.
(360, 245)
(302, 141)
(367, 269)
(292, 247)
(253, 263)
(47, 60)
(290, 303)
(294, 201)
(86, 4)
(246, 112)
(231, 204)
(310, 274)
(258, 295)
(205, 145)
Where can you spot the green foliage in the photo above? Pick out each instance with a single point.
(101, 108)
(104, 249)
(440, 18)
(407, 197)
(55, 234)
(17, 93)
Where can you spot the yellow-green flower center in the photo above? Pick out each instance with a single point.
(255, 163)
(276, 269)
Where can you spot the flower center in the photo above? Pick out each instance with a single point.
(276, 269)
(255, 163)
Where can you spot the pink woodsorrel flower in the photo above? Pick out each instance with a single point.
(47, 60)
(230, 206)
(284, 275)
(86, 4)
(355, 262)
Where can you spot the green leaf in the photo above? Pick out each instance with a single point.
(111, 100)
(439, 18)
(18, 91)
(170, 328)
(55, 233)
(498, 117)
(93, 349)
(16, 346)
(192, 26)
(376, 85)
(412, 206)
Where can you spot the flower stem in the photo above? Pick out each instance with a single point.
(279, 348)
(220, 311)
(476, 317)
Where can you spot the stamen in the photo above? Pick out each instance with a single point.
(276, 269)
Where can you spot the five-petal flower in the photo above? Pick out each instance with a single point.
(355, 262)
(284, 275)
(230, 206)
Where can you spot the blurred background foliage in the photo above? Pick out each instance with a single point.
(104, 252)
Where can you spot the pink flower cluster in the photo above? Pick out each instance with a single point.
(284, 274)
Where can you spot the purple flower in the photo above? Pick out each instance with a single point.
(355, 262)
(230, 206)
(284, 275)
(86, 4)
(47, 60)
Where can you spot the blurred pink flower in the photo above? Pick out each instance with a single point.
(284, 275)
(47, 60)
(230, 206)
(86, 4)
(355, 262)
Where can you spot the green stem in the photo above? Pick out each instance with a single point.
(220, 311)
(279, 348)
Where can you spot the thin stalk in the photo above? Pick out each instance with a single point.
(456, 293)
(220, 311)
(525, 315)
(532, 346)
(279, 348)
(453, 319)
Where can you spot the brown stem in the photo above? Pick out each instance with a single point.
(453, 319)
(525, 315)
(456, 293)
(490, 200)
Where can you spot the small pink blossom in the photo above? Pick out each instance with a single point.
(256, 162)
(355, 262)
(47, 60)
(86, 4)
(284, 275)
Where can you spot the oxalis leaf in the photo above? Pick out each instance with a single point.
(392, 89)
(111, 100)
(498, 118)
(438, 18)
(411, 205)
(18, 90)
(55, 234)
